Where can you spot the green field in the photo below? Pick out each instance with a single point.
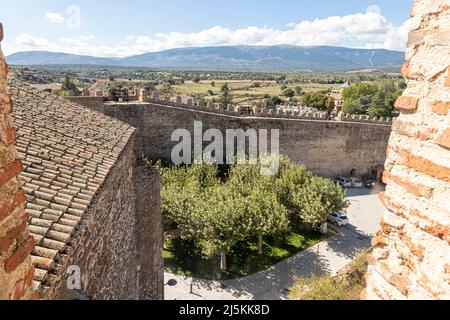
(243, 91)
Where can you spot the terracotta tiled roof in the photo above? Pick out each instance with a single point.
(67, 152)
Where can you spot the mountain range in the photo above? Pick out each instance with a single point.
(232, 58)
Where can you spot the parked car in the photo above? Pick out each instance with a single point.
(356, 183)
(338, 218)
(370, 183)
(344, 182)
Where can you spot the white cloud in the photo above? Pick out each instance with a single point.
(365, 30)
(55, 17)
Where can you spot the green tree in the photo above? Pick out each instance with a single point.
(167, 89)
(265, 215)
(213, 83)
(318, 100)
(298, 90)
(359, 90)
(289, 93)
(69, 88)
(352, 106)
(318, 199)
(196, 80)
(149, 87)
(225, 96)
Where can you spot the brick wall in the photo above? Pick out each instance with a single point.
(411, 257)
(16, 270)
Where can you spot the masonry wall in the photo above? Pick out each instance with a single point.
(411, 257)
(326, 147)
(16, 270)
(93, 103)
(149, 231)
(119, 257)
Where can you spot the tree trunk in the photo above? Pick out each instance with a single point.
(260, 244)
(223, 261)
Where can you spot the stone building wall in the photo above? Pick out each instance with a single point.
(149, 231)
(93, 103)
(326, 147)
(119, 247)
(104, 248)
(411, 257)
(16, 270)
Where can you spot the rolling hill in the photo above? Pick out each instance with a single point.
(232, 58)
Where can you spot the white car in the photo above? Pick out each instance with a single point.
(356, 183)
(344, 182)
(338, 218)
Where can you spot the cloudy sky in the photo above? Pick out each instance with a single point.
(112, 28)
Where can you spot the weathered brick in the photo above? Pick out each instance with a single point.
(28, 280)
(399, 281)
(12, 234)
(411, 261)
(18, 291)
(20, 255)
(406, 104)
(11, 171)
(9, 136)
(421, 164)
(413, 130)
(444, 139)
(408, 74)
(9, 205)
(417, 189)
(416, 218)
(379, 241)
(440, 107)
(447, 80)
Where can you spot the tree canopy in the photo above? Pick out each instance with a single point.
(217, 210)
(373, 99)
(318, 100)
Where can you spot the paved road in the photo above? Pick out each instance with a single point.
(328, 257)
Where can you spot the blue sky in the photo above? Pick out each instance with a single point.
(121, 28)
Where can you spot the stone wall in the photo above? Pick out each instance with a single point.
(93, 103)
(326, 147)
(149, 231)
(411, 257)
(16, 270)
(118, 248)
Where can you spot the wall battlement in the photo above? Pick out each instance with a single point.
(325, 147)
(191, 103)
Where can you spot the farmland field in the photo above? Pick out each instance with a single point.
(243, 91)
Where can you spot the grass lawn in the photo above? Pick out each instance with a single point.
(182, 258)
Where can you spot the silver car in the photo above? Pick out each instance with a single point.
(356, 183)
(338, 218)
(344, 182)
